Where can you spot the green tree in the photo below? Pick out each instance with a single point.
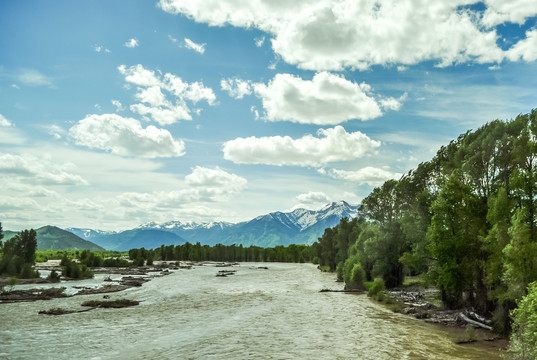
(523, 344)
(454, 242)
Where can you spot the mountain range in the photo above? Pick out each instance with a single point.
(300, 226)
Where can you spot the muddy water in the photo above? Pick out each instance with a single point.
(256, 314)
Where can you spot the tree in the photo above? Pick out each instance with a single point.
(19, 254)
(523, 344)
(454, 242)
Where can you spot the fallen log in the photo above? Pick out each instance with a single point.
(473, 322)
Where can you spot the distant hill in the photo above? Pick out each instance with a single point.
(300, 226)
(52, 237)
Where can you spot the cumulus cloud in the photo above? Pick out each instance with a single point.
(313, 197)
(5, 122)
(199, 48)
(525, 49)
(125, 136)
(327, 99)
(41, 170)
(368, 175)
(334, 144)
(154, 90)
(203, 184)
(339, 34)
(236, 88)
(208, 178)
(514, 11)
(132, 43)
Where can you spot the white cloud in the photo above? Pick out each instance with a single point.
(338, 34)
(132, 43)
(313, 197)
(125, 136)
(368, 175)
(514, 11)
(33, 77)
(327, 99)
(236, 88)
(332, 145)
(56, 131)
(199, 48)
(202, 185)
(154, 101)
(205, 178)
(525, 49)
(393, 103)
(42, 170)
(118, 105)
(100, 48)
(259, 41)
(9, 134)
(5, 122)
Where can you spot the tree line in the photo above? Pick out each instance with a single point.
(466, 219)
(228, 253)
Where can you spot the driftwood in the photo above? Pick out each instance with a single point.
(342, 291)
(474, 322)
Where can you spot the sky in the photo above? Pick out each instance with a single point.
(114, 113)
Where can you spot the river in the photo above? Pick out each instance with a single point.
(277, 313)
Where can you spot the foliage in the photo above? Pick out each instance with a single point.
(18, 255)
(376, 288)
(54, 276)
(74, 270)
(523, 344)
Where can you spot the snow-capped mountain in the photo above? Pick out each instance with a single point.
(190, 225)
(300, 226)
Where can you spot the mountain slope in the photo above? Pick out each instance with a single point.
(52, 237)
(130, 239)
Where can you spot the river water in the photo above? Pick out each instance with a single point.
(277, 313)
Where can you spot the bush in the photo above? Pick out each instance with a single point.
(353, 274)
(54, 276)
(339, 271)
(523, 344)
(28, 272)
(376, 288)
(74, 270)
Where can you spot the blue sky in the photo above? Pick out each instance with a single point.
(116, 113)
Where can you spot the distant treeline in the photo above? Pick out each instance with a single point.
(229, 253)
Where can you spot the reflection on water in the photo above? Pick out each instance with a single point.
(262, 314)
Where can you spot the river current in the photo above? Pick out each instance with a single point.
(277, 313)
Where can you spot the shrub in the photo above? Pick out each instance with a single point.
(54, 276)
(28, 272)
(523, 344)
(353, 274)
(376, 288)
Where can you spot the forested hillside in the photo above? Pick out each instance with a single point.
(466, 218)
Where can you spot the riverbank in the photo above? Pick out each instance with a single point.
(464, 326)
